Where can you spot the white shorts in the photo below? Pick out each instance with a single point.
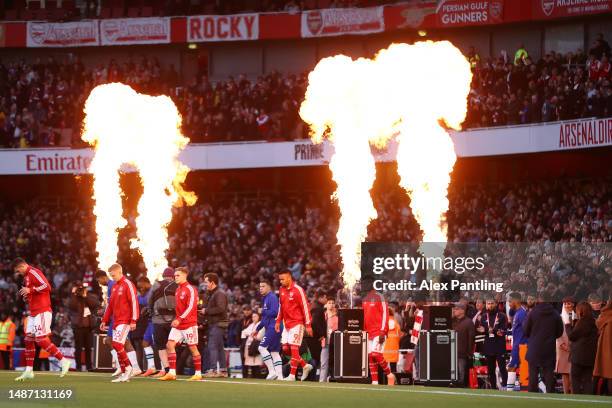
(40, 324)
(374, 345)
(120, 333)
(188, 335)
(293, 335)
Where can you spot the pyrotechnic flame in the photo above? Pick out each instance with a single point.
(127, 128)
(406, 90)
(432, 83)
(338, 109)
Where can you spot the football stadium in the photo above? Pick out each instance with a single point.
(341, 203)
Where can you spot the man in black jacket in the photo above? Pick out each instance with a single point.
(215, 311)
(465, 342)
(542, 326)
(493, 325)
(319, 326)
(83, 306)
(162, 306)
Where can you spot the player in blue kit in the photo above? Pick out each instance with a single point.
(270, 346)
(518, 313)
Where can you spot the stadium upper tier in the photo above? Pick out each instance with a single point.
(57, 9)
(41, 102)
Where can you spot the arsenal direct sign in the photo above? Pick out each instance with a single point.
(239, 27)
(126, 31)
(75, 34)
(569, 8)
(330, 22)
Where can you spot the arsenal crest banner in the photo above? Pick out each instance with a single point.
(543, 9)
(342, 21)
(73, 34)
(127, 31)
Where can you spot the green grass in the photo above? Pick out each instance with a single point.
(96, 390)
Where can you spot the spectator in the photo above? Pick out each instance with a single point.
(247, 320)
(7, 339)
(583, 337)
(465, 343)
(521, 55)
(215, 310)
(543, 326)
(331, 318)
(603, 359)
(600, 47)
(563, 364)
(252, 360)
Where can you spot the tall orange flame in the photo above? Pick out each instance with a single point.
(128, 128)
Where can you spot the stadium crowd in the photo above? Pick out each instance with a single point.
(29, 9)
(244, 241)
(41, 102)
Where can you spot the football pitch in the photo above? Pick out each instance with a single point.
(93, 390)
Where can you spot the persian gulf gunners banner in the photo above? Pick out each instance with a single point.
(455, 13)
(330, 22)
(127, 31)
(74, 34)
(239, 27)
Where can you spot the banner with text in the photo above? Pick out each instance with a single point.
(558, 136)
(544, 9)
(73, 34)
(342, 21)
(239, 27)
(456, 13)
(128, 31)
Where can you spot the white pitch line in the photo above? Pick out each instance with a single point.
(344, 387)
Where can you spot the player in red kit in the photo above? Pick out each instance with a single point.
(295, 316)
(376, 324)
(124, 309)
(184, 326)
(37, 294)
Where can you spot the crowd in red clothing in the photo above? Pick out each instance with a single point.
(520, 90)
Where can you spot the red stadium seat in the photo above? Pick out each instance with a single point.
(323, 4)
(51, 4)
(26, 15)
(33, 5)
(57, 14)
(40, 14)
(11, 15)
(310, 4)
(146, 11)
(117, 12)
(133, 12)
(105, 13)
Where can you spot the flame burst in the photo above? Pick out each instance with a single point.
(127, 128)
(404, 92)
(432, 83)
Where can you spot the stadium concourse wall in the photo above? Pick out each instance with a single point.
(548, 137)
(256, 44)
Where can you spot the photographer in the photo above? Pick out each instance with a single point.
(83, 306)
